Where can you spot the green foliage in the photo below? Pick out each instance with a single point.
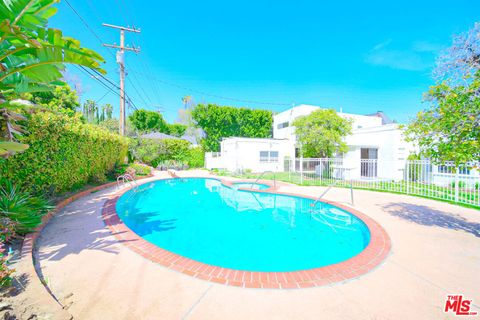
(196, 158)
(450, 129)
(110, 125)
(176, 129)
(32, 55)
(322, 133)
(139, 169)
(221, 122)
(61, 99)
(20, 207)
(144, 120)
(64, 154)
(152, 151)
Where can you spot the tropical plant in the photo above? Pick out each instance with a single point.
(20, 207)
(107, 111)
(322, 133)
(220, 122)
(90, 111)
(187, 102)
(32, 57)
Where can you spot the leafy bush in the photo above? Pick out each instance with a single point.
(64, 154)
(139, 169)
(153, 152)
(21, 208)
(196, 158)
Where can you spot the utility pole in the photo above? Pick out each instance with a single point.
(121, 63)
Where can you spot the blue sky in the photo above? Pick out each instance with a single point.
(356, 55)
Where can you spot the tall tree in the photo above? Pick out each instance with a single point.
(108, 109)
(322, 133)
(90, 111)
(449, 129)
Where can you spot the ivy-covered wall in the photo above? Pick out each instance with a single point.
(64, 154)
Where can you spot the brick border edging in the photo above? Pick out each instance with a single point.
(29, 242)
(360, 264)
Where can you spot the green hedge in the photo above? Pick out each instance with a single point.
(152, 151)
(64, 154)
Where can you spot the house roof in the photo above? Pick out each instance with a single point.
(381, 114)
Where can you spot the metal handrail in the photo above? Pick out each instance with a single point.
(262, 174)
(328, 189)
(126, 178)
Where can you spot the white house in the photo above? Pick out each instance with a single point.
(374, 137)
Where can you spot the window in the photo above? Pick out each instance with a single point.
(282, 125)
(268, 156)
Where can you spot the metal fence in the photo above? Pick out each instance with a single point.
(460, 184)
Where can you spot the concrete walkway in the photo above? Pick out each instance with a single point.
(435, 252)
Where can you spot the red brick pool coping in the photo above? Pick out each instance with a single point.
(374, 254)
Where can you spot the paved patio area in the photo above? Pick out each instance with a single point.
(435, 252)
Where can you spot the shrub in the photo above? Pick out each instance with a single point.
(196, 157)
(155, 152)
(20, 209)
(139, 169)
(64, 154)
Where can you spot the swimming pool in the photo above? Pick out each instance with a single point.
(206, 221)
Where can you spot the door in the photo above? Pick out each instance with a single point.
(368, 162)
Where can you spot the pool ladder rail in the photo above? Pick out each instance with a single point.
(319, 198)
(261, 175)
(127, 179)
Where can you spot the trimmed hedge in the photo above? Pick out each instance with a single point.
(64, 155)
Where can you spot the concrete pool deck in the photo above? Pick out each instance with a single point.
(435, 252)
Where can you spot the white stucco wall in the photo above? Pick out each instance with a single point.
(244, 154)
(392, 148)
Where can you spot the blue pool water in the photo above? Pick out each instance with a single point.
(254, 186)
(206, 221)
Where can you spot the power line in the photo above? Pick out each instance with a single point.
(85, 23)
(106, 85)
(210, 94)
(100, 99)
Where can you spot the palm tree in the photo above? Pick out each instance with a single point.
(108, 109)
(90, 111)
(187, 100)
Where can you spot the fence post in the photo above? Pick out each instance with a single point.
(407, 177)
(301, 169)
(456, 184)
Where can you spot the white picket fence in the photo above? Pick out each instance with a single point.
(460, 184)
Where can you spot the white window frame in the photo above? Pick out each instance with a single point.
(270, 156)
